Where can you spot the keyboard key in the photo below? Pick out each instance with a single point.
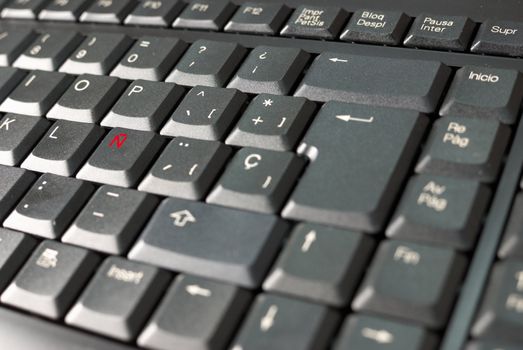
(195, 314)
(376, 27)
(15, 182)
(512, 243)
(440, 32)
(376, 81)
(497, 37)
(187, 168)
(205, 14)
(465, 147)
(484, 92)
(430, 279)
(492, 345)
(98, 54)
(210, 241)
(49, 206)
(111, 220)
(108, 11)
(258, 18)
(144, 105)
(9, 80)
(64, 148)
(320, 263)
(150, 58)
(60, 10)
(341, 187)
(209, 63)
(50, 280)
(36, 94)
(500, 316)
(257, 180)
(13, 43)
(155, 13)
(15, 247)
(23, 9)
(272, 122)
(48, 51)
(373, 333)
(101, 307)
(205, 113)
(88, 99)
(270, 69)
(121, 158)
(441, 210)
(19, 133)
(276, 322)
(315, 22)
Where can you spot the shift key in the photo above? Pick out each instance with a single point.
(359, 157)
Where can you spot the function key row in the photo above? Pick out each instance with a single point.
(427, 31)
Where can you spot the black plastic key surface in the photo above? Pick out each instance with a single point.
(374, 333)
(430, 279)
(492, 345)
(210, 241)
(51, 279)
(257, 180)
(465, 147)
(272, 122)
(155, 13)
(145, 105)
(205, 113)
(9, 80)
(376, 27)
(211, 15)
(442, 210)
(512, 243)
(440, 32)
(269, 69)
(318, 22)
(64, 148)
(49, 206)
(88, 99)
(60, 10)
(15, 247)
(48, 51)
(98, 54)
(37, 93)
(258, 18)
(195, 314)
(498, 37)
(320, 263)
(209, 63)
(13, 43)
(341, 186)
(119, 298)
(375, 81)
(150, 58)
(187, 168)
(483, 92)
(23, 9)
(276, 322)
(14, 183)
(121, 158)
(108, 11)
(111, 219)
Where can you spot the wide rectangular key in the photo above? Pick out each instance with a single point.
(121, 158)
(23, 9)
(60, 10)
(119, 298)
(111, 219)
(51, 279)
(64, 148)
(320, 263)
(159, 13)
(15, 182)
(49, 206)
(276, 322)
(410, 281)
(258, 18)
(196, 313)
(359, 157)
(499, 37)
(15, 247)
(210, 241)
(108, 11)
(13, 43)
(377, 81)
(205, 14)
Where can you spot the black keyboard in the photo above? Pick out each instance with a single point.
(243, 175)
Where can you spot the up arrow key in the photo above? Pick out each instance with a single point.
(182, 218)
